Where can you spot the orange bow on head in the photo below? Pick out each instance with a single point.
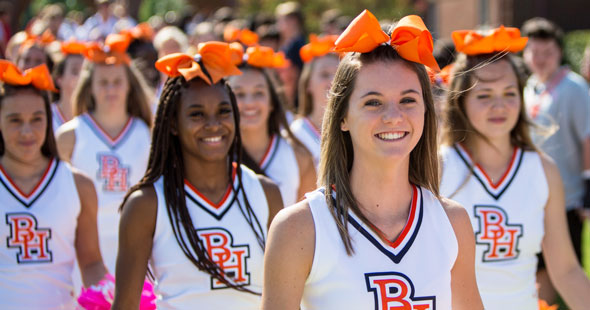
(264, 57)
(112, 52)
(503, 39)
(219, 58)
(245, 36)
(38, 76)
(142, 31)
(73, 47)
(317, 47)
(410, 38)
(43, 40)
(440, 78)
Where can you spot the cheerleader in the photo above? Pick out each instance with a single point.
(512, 192)
(110, 136)
(46, 225)
(198, 217)
(269, 144)
(314, 84)
(66, 74)
(376, 235)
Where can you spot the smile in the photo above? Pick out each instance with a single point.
(392, 136)
(215, 139)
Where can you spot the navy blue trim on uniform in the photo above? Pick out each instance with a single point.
(220, 216)
(272, 156)
(28, 205)
(101, 136)
(395, 258)
(483, 182)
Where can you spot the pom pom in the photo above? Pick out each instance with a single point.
(100, 296)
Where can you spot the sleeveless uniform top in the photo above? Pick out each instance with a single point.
(413, 272)
(114, 165)
(56, 117)
(280, 165)
(309, 135)
(37, 237)
(229, 240)
(507, 218)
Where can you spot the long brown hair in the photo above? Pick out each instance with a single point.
(306, 105)
(49, 147)
(138, 98)
(337, 153)
(166, 161)
(456, 127)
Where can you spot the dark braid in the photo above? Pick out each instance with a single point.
(166, 161)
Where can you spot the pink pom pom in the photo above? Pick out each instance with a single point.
(100, 296)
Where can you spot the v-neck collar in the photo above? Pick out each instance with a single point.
(395, 250)
(27, 199)
(494, 189)
(111, 142)
(216, 210)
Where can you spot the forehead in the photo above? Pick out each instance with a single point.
(326, 62)
(248, 78)
(22, 102)
(387, 78)
(200, 93)
(537, 43)
(498, 72)
(108, 70)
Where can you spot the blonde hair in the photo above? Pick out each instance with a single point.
(138, 98)
(306, 105)
(337, 153)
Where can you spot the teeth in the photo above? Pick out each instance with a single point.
(250, 113)
(212, 139)
(391, 136)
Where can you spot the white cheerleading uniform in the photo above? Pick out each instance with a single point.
(309, 135)
(413, 272)
(229, 240)
(507, 218)
(280, 165)
(57, 117)
(38, 234)
(114, 165)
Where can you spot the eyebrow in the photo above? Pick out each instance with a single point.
(374, 93)
(410, 91)
(489, 89)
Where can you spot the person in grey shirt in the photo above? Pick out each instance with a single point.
(558, 100)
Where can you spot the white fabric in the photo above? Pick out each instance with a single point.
(38, 233)
(114, 165)
(416, 268)
(280, 165)
(507, 218)
(309, 135)
(57, 118)
(225, 233)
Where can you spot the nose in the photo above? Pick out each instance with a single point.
(212, 123)
(392, 113)
(26, 129)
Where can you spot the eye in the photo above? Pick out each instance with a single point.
(373, 103)
(510, 94)
(196, 114)
(408, 100)
(14, 120)
(240, 95)
(37, 119)
(482, 96)
(259, 94)
(225, 111)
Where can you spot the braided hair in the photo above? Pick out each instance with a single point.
(166, 161)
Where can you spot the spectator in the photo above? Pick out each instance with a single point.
(555, 95)
(99, 25)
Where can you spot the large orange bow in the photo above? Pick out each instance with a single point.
(410, 38)
(265, 57)
(219, 58)
(503, 39)
(43, 40)
(112, 52)
(443, 77)
(73, 47)
(142, 31)
(38, 76)
(317, 47)
(245, 36)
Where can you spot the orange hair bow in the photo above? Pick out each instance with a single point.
(264, 57)
(43, 40)
(38, 76)
(112, 52)
(245, 36)
(410, 38)
(73, 48)
(317, 47)
(503, 39)
(142, 31)
(219, 58)
(440, 78)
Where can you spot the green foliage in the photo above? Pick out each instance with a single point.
(575, 43)
(159, 7)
